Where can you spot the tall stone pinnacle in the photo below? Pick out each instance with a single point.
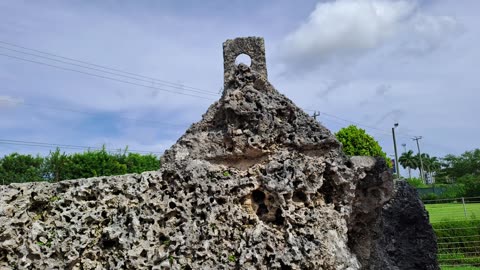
(279, 185)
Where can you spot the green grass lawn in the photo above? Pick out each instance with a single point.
(440, 214)
(452, 211)
(461, 268)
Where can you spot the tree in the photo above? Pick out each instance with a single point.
(92, 164)
(356, 142)
(466, 163)
(57, 166)
(430, 164)
(137, 163)
(16, 168)
(408, 160)
(433, 166)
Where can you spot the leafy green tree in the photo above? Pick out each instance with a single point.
(56, 164)
(93, 163)
(467, 163)
(59, 166)
(137, 163)
(16, 168)
(471, 183)
(356, 142)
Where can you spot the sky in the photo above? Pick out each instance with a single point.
(369, 62)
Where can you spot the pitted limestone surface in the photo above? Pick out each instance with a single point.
(256, 184)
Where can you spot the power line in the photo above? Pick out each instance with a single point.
(342, 124)
(150, 79)
(69, 146)
(381, 131)
(95, 114)
(142, 78)
(112, 73)
(104, 77)
(348, 121)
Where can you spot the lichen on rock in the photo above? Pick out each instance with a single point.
(256, 184)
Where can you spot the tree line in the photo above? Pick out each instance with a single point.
(57, 165)
(449, 169)
(430, 164)
(459, 175)
(462, 172)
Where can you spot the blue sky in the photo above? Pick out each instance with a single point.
(375, 62)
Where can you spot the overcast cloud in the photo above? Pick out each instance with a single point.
(371, 62)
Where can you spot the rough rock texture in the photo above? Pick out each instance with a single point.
(256, 184)
(407, 240)
(373, 191)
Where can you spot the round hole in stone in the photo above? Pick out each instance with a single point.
(258, 196)
(299, 196)
(243, 59)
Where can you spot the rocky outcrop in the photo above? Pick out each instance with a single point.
(373, 191)
(407, 240)
(256, 184)
(389, 227)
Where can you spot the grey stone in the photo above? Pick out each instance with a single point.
(256, 184)
(406, 239)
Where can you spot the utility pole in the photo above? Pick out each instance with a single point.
(315, 114)
(395, 147)
(405, 151)
(416, 138)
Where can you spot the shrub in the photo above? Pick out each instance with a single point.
(356, 142)
(416, 182)
(429, 196)
(471, 183)
(454, 191)
(16, 168)
(59, 166)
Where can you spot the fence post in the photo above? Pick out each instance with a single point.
(464, 208)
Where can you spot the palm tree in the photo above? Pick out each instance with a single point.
(426, 164)
(408, 160)
(430, 165)
(433, 166)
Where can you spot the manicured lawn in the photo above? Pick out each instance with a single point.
(454, 215)
(461, 268)
(452, 211)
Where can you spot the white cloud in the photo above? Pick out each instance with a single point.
(345, 26)
(426, 33)
(8, 101)
(432, 95)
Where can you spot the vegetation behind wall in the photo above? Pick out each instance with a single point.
(57, 166)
